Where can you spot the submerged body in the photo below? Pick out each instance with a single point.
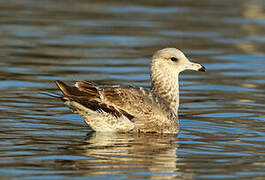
(130, 108)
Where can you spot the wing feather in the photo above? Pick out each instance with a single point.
(89, 95)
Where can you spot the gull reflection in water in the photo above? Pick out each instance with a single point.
(136, 155)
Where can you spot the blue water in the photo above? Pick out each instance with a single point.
(221, 113)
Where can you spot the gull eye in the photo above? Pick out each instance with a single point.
(174, 59)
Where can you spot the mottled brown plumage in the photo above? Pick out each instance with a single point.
(130, 108)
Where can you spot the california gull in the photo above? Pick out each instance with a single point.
(129, 108)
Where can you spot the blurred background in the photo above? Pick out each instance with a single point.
(222, 112)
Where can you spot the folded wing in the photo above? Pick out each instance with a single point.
(129, 101)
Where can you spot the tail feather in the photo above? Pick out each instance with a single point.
(69, 90)
(88, 87)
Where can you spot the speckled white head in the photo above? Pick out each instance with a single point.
(166, 66)
(173, 60)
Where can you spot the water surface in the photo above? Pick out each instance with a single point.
(222, 112)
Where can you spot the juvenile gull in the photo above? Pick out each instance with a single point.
(130, 108)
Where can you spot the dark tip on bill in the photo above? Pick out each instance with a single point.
(202, 69)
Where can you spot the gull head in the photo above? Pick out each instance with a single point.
(173, 61)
